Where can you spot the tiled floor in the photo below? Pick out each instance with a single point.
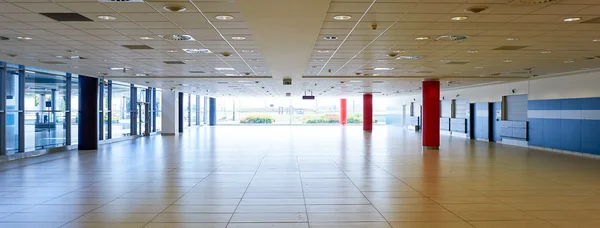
(299, 177)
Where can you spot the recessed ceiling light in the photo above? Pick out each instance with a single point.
(174, 8)
(507, 61)
(445, 60)
(224, 17)
(318, 60)
(118, 68)
(478, 67)
(354, 81)
(247, 51)
(410, 57)
(596, 40)
(512, 38)
(383, 68)
(197, 51)
(253, 60)
(24, 38)
(473, 51)
(398, 51)
(238, 38)
(546, 52)
(189, 60)
(570, 19)
(331, 38)
(342, 17)
(146, 38)
(376, 74)
(569, 61)
(107, 18)
(171, 51)
(224, 68)
(323, 51)
(460, 18)
(382, 60)
(422, 38)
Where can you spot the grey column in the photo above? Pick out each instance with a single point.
(213, 111)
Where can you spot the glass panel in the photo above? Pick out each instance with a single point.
(105, 110)
(141, 97)
(201, 106)
(194, 109)
(121, 116)
(12, 105)
(45, 103)
(158, 107)
(186, 109)
(74, 109)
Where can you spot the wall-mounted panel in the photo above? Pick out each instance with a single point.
(445, 124)
(458, 125)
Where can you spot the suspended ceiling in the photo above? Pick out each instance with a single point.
(286, 39)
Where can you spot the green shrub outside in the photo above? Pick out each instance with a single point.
(257, 118)
(334, 118)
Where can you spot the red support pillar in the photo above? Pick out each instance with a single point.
(343, 112)
(368, 112)
(431, 114)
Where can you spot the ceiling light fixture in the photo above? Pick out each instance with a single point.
(569, 61)
(596, 40)
(383, 68)
(422, 38)
(24, 38)
(224, 68)
(546, 52)
(174, 8)
(224, 17)
(171, 51)
(512, 38)
(118, 68)
(146, 38)
(197, 51)
(107, 18)
(238, 38)
(247, 51)
(342, 17)
(410, 57)
(507, 61)
(398, 51)
(473, 51)
(331, 38)
(478, 67)
(323, 51)
(571, 19)
(460, 18)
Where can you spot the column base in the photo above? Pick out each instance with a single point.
(431, 148)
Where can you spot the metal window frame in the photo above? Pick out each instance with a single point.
(68, 109)
(109, 109)
(21, 109)
(3, 108)
(198, 108)
(133, 110)
(101, 109)
(154, 109)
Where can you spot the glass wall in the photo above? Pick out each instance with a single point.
(39, 108)
(45, 110)
(121, 110)
(186, 110)
(12, 109)
(194, 110)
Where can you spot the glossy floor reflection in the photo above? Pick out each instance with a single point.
(299, 177)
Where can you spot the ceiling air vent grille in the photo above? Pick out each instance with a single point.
(532, 1)
(121, 0)
(457, 63)
(173, 62)
(66, 16)
(509, 48)
(451, 38)
(592, 21)
(177, 37)
(138, 47)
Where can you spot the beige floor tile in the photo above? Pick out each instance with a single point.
(494, 215)
(269, 217)
(103, 225)
(200, 209)
(268, 225)
(192, 218)
(513, 224)
(185, 225)
(431, 225)
(341, 208)
(349, 225)
(478, 207)
(577, 223)
(319, 217)
(420, 216)
(116, 217)
(270, 208)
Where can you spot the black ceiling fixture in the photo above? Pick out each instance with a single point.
(66, 16)
(138, 47)
(173, 62)
(4, 38)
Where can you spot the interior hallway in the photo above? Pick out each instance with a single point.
(299, 177)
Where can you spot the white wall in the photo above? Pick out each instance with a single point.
(578, 85)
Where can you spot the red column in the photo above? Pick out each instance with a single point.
(368, 112)
(343, 112)
(431, 114)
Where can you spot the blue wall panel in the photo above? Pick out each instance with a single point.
(482, 128)
(565, 124)
(590, 142)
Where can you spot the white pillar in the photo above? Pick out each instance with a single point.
(170, 113)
